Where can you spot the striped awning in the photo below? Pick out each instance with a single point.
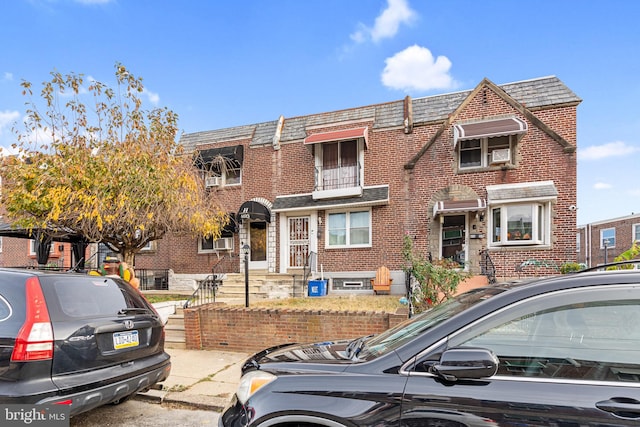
(338, 135)
(489, 128)
(458, 206)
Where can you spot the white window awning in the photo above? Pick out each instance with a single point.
(488, 128)
(338, 135)
(523, 191)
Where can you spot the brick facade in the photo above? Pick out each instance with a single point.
(591, 250)
(407, 163)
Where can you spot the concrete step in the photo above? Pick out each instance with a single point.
(174, 335)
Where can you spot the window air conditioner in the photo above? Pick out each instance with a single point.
(502, 155)
(224, 244)
(212, 181)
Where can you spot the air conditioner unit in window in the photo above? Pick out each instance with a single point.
(223, 244)
(502, 155)
(212, 181)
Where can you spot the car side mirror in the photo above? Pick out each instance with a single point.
(466, 363)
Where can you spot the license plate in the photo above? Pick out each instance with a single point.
(125, 339)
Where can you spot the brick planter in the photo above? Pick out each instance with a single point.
(212, 327)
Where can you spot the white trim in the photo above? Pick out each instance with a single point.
(614, 237)
(345, 205)
(634, 236)
(348, 213)
(504, 242)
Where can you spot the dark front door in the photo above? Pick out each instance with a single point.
(453, 238)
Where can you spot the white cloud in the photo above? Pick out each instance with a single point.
(601, 186)
(634, 192)
(611, 149)
(7, 76)
(387, 23)
(415, 68)
(7, 118)
(153, 97)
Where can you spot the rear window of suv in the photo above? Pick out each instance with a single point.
(5, 309)
(12, 303)
(90, 296)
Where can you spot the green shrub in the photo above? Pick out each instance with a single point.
(438, 280)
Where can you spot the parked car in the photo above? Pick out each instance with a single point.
(561, 351)
(76, 340)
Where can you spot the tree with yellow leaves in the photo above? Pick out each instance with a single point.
(112, 173)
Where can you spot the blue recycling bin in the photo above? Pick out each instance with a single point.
(317, 288)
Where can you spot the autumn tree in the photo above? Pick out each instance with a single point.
(110, 171)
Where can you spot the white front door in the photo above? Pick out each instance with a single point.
(299, 237)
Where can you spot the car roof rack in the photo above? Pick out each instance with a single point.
(630, 264)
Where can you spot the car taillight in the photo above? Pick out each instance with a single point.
(35, 339)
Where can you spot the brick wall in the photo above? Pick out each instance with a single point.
(245, 329)
(592, 251)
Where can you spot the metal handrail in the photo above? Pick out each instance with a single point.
(487, 268)
(205, 292)
(207, 288)
(309, 265)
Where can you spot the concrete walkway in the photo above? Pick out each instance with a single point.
(199, 379)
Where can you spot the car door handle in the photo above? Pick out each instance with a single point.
(621, 406)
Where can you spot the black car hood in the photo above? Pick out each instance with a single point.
(323, 356)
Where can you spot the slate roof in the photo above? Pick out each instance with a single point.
(534, 94)
(530, 190)
(370, 196)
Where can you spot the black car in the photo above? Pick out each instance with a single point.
(561, 351)
(76, 340)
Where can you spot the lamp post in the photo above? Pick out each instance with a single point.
(245, 251)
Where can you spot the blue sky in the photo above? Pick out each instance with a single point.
(223, 63)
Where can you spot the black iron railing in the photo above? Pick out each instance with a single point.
(332, 178)
(153, 279)
(205, 293)
(487, 268)
(206, 290)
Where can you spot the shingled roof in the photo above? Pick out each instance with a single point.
(535, 94)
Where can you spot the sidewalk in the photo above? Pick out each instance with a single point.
(199, 379)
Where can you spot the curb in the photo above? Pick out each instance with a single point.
(176, 399)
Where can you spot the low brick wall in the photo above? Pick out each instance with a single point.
(215, 327)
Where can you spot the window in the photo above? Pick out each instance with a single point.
(32, 248)
(349, 229)
(149, 247)
(221, 166)
(596, 337)
(608, 238)
(520, 224)
(210, 245)
(339, 165)
(478, 153)
(635, 233)
(578, 242)
(232, 175)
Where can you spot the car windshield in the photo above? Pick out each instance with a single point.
(404, 332)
